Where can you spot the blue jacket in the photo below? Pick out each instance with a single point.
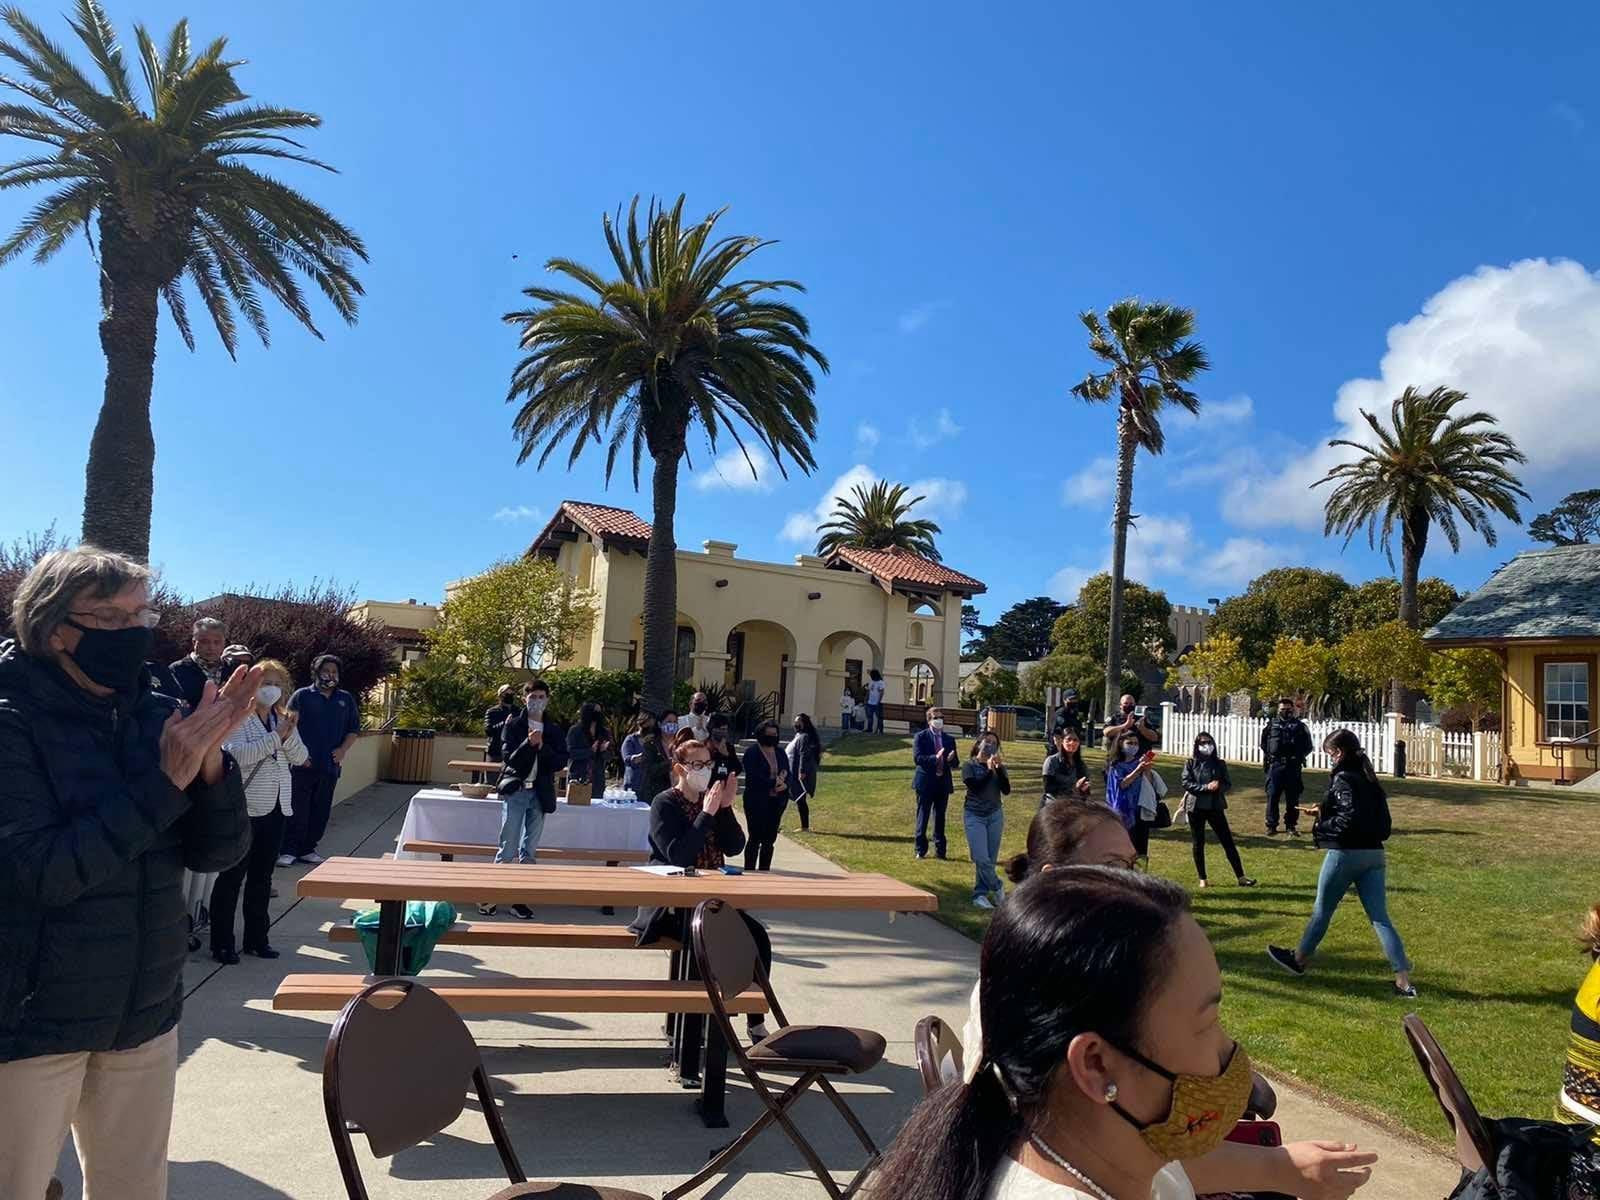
(1124, 800)
(931, 779)
(94, 839)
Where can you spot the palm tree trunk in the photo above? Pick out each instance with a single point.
(120, 478)
(661, 586)
(1120, 511)
(1413, 544)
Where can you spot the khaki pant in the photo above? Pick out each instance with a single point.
(118, 1105)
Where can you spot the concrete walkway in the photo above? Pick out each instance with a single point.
(586, 1097)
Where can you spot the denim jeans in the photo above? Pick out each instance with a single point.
(521, 823)
(1367, 870)
(983, 841)
(874, 717)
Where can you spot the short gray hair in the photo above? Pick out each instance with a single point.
(48, 592)
(204, 624)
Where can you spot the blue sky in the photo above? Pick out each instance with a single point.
(1403, 196)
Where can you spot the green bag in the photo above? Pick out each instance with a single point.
(426, 922)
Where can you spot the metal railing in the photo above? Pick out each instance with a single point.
(1587, 742)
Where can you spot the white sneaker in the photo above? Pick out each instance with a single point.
(313, 858)
(982, 902)
(286, 860)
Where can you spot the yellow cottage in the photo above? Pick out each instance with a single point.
(1541, 614)
(802, 631)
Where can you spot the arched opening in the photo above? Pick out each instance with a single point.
(922, 682)
(919, 605)
(757, 671)
(914, 634)
(687, 642)
(845, 658)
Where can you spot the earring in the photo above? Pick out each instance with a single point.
(1111, 1092)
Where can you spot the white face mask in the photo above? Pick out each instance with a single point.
(669, 727)
(696, 780)
(269, 694)
(937, 724)
(536, 704)
(1204, 750)
(1129, 750)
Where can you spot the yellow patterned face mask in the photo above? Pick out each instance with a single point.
(1204, 1108)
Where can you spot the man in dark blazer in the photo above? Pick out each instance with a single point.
(937, 761)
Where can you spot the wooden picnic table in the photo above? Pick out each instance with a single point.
(391, 882)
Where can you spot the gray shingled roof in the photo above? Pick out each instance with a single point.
(1538, 594)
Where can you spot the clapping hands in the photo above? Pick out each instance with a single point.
(191, 746)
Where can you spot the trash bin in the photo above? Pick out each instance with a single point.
(411, 756)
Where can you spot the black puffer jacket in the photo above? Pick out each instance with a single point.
(1197, 773)
(1355, 815)
(94, 840)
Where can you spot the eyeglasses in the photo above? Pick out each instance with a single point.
(692, 763)
(118, 618)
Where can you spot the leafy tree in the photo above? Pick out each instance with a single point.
(876, 518)
(1467, 679)
(1217, 664)
(1078, 671)
(1299, 602)
(1573, 522)
(969, 619)
(1296, 668)
(1083, 628)
(996, 687)
(1023, 632)
(1150, 358)
(164, 194)
(436, 693)
(1373, 658)
(522, 613)
(671, 343)
(1376, 601)
(1431, 465)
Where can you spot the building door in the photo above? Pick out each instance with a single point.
(683, 666)
(735, 648)
(852, 676)
(783, 683)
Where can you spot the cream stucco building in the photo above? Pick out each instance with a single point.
(800, 631)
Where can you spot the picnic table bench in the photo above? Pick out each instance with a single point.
(391, 882)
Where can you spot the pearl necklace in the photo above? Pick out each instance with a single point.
(1038, 1143)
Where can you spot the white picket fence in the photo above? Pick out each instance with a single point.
(1430, 751)
(1239, 738)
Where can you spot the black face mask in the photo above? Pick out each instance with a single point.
(1128, 711)
(113, 658)
(698, 708)
(768, 739)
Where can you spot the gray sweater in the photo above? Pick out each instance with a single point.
(984, 787)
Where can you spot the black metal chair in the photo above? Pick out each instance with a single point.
(397, 1068)
(728, 961)
(940, 1059)
(1475, 1148)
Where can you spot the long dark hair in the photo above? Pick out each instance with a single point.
(1079, 950)
(805, 725)
(591, 719)
(1055, 832)
(1076, 757)
(1351, 756)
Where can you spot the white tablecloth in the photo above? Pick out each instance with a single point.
(445, 815)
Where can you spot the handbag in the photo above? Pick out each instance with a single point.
(1163, 815)
(579, 792)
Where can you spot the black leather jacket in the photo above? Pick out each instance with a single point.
(1355, 814)
(1198, 772)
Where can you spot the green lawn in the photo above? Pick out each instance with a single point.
(1486, 885)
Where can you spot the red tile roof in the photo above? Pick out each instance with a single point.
(902, 566)
(599, 521)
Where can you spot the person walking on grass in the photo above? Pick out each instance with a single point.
(984, 818)
(1285, 746)
(1206, 784)
(805, 755)
(934, 751)
(1352, 824)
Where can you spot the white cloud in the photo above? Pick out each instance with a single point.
(802, 526)
(868, 436)
(1522, 341)
(1241, 559)
(1165, 550)
(520, 513)
(942, 500)
(1092, 485)
(1230, 411)
(924, 433)
(1066, 583)
(916, 318)
(730, 470)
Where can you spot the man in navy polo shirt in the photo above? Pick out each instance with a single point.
(329, 722)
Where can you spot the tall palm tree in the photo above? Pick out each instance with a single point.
(171, 194)
(1150, 358)
(875, 519)
(1430, 466)
(638, 360)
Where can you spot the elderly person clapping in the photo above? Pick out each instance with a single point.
(106, 794)
(265, 747)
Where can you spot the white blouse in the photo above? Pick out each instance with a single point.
(1013, 1181)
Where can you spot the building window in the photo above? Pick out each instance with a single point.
(914, 634)
(919, 683)
(683, 667)
(1566, 700)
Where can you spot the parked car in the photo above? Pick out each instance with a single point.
(1029, 720)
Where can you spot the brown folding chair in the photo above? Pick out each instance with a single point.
(1475, 1148)
(726, 955)
(397, 1069)
(939, 1054)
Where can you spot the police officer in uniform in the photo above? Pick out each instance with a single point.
(1285, 743)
